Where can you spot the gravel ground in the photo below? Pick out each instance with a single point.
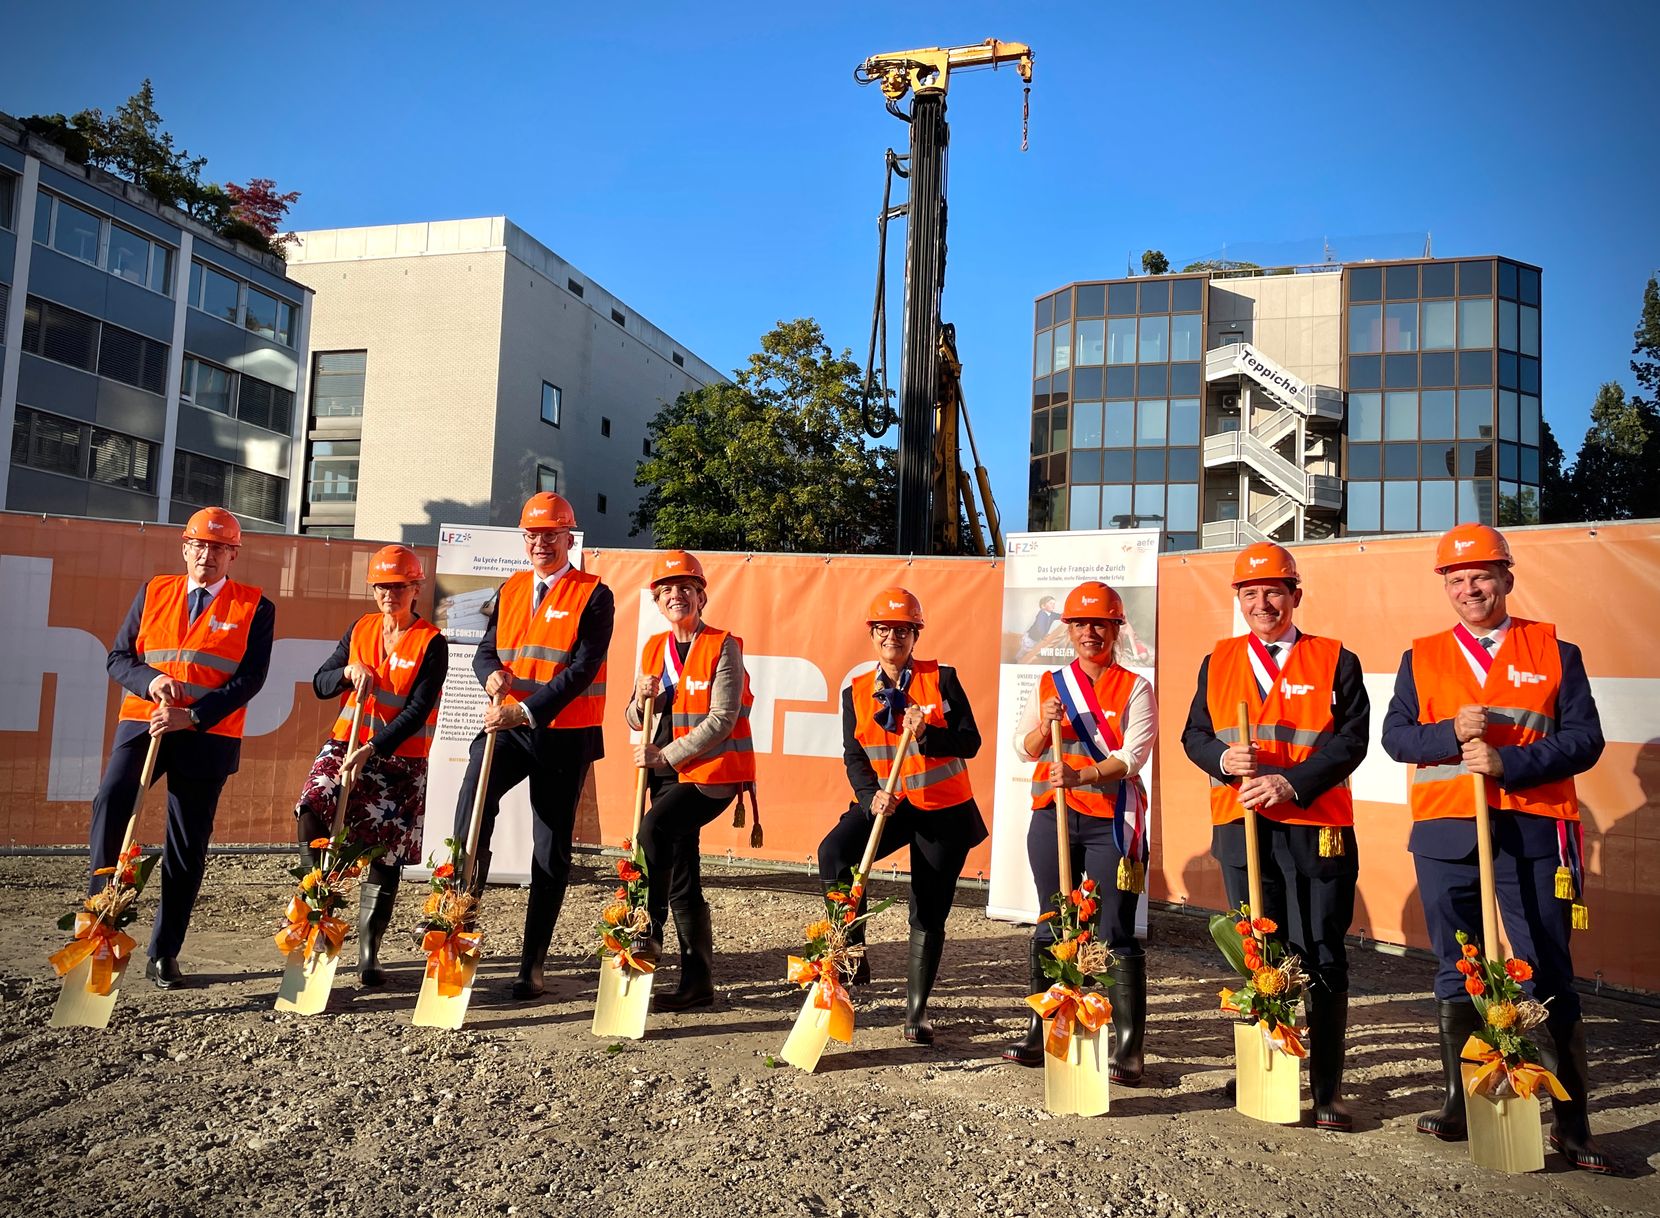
(204, 1101)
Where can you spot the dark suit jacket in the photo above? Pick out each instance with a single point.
(960, 737)
(195, 749)
(1572, 748)
(593, 641)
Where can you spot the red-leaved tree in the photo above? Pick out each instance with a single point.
(261, 206)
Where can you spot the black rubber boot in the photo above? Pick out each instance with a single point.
(1458, 1021)
(541, 912)
(924, 966)
(375, 900)
(309, 827)
(1128, 995)
(1328, 1029)
(697, 961)
(1028, 1050)
(1563, 1052)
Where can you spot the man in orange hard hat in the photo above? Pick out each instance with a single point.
(191, 653)
(1505, 698)
(1309, 714)
(543, 655)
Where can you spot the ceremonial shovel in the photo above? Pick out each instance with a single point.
(1504, 1133)
(1267, 1083)
(309, 976)
(625, 992)
(78, 1006)
(1079, 1083)
(432, 1009)
(813, 1027)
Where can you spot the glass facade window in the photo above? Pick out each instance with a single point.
(8, 199)
(1084, 510)
(1438, 461)
(1117, 465)
(1438, 368)
(547, 479)
(1509, 422)
(1528, 431)
(129, 256)
(1529, 330)
(1436, 322)
(1400, 283)
(1400, 507)
(1120, 381)
(1365, 372)
(1086, 465)
(1507, 325)
(553, 404)
(1400, 371)
(1435, 414)
(81, 450)
(1185, 380)
(1181, 509)
(1365, 416)
(1510, 463)
(1086, 425)
(1092, 301)
(75, 232)
(1184, 421)
(1116, 507)
(1121, 341)
(1507, 279)
(1365, 329)
(1475, 367)
(1439, 279)
(1092, 341)
(1149, 505)
(1155, 340)
(1475, 278)
(1118, 429)
(1527, 285)
(1149, 465)
(1475, 414)
(1437, 506)
(206, 385)
(1184, 465)
(1400, 461)
(1121, 299)
(1530, 465)
(1187, 337)
(1155, 296)
(1150, 422)
(332, 475)
(1400, 416)
(337, 384)
(218, 294)
(1045, 313)
(1086, 383)
(200, 481)
(1400, 327)
(1475, 323)
(1366, 283)
(1187, 294)
(1060, 432)
(1041, 363)
(1063, 347)
(1361, 511)
(1475, 502)
(1063, 307)
(1364, 461)
(1152, 381)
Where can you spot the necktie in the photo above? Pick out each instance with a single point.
(1490, 644)
(1276, 650)
(198, 602)
(536, 598)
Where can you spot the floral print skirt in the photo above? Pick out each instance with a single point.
(388, 801)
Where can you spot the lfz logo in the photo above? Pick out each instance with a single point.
(454, 536)
(1519, 678)
(1291, 691)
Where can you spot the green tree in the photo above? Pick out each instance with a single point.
(1556, 492)
(773, 460)
(1153, 262)
(1645, 351)
(1613, 477)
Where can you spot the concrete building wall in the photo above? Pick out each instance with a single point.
(1296, 319)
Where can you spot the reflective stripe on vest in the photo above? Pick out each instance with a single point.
(927, 783)
(201, 655)
(537, 646)
(1520, 697)
(1293, 724)
(731, 760)
(1112, 689)
(393, 682)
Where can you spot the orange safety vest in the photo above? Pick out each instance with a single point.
(1520, 697)
(733, 759)
(202, 655)
(395, 673)
(1112, 689)
(1289, 728)
(537, 647)
(927, 782)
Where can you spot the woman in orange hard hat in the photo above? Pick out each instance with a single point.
(1108, 718)
(393, 663)
(700, 758)
(932, 810)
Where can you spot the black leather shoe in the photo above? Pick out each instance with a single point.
(164, 971)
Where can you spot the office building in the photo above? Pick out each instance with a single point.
(1290, 403)
(458, 367)
(148, 366)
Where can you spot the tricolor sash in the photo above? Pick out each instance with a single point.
(1100, 737)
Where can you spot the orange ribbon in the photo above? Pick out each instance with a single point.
(1284, 1038)
(1525, 1077)
(106, 945)
(300, 932)
(1067, 1005)
(624, 957)
(829, 994)
(450, 953)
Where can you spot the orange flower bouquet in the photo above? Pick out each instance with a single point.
(1274, 979)
(310, 923)
(444, 930)
(624, 924)
(829, 959)
(98, 923)
(1078, 964)
(1509, 1059)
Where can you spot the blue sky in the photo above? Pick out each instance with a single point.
(717, 167)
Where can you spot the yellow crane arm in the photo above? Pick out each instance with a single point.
(928, 69)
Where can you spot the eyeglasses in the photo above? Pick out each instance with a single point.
(548, 535)
(208, 547)
(392, 589)
(885, 631)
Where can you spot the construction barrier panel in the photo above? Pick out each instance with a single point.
(66, 583)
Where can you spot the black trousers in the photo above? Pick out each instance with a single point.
(1093, 853)
(556, 770)
(939, 840)
(669, 836)
(192, 802)
(1311, 898)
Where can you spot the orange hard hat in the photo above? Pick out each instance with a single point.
(214, 524)
(678, 564)
(395, 565)
(1264, 560)
(895, 605)
(1471, 545)
(545, 510)
(1093, 601)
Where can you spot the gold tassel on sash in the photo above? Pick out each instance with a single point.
(755, 835)
(1564, 884)
(1581, 917)
(1132, 876)
(1331, 842)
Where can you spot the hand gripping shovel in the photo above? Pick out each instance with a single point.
(79, 1005)
(817, 1023)
(1267, 1083)
(624, 990)
(1077, 1084)
(309, 975)
(435, 1008)
(1504, 1133)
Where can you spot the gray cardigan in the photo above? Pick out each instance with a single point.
(725, 702)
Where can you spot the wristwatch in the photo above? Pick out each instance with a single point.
(195, 719)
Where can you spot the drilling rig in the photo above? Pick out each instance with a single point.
(936, 496)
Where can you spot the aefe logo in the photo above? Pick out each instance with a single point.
(1291, 691)
(1519, 678)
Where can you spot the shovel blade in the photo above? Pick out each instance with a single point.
(1268, 1083)
(809, 1036)
(1504, 1134)
(306, 982)
(79, 1007)
(434, 1010)
(624, 1000)
(1079, 1083)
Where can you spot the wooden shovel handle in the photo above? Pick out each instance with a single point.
(648, 713)
(890, 787)
(345, 792)
(1253, 849)
(1063, 839)
(477, 822)
(1484, 859)
(145, 777)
